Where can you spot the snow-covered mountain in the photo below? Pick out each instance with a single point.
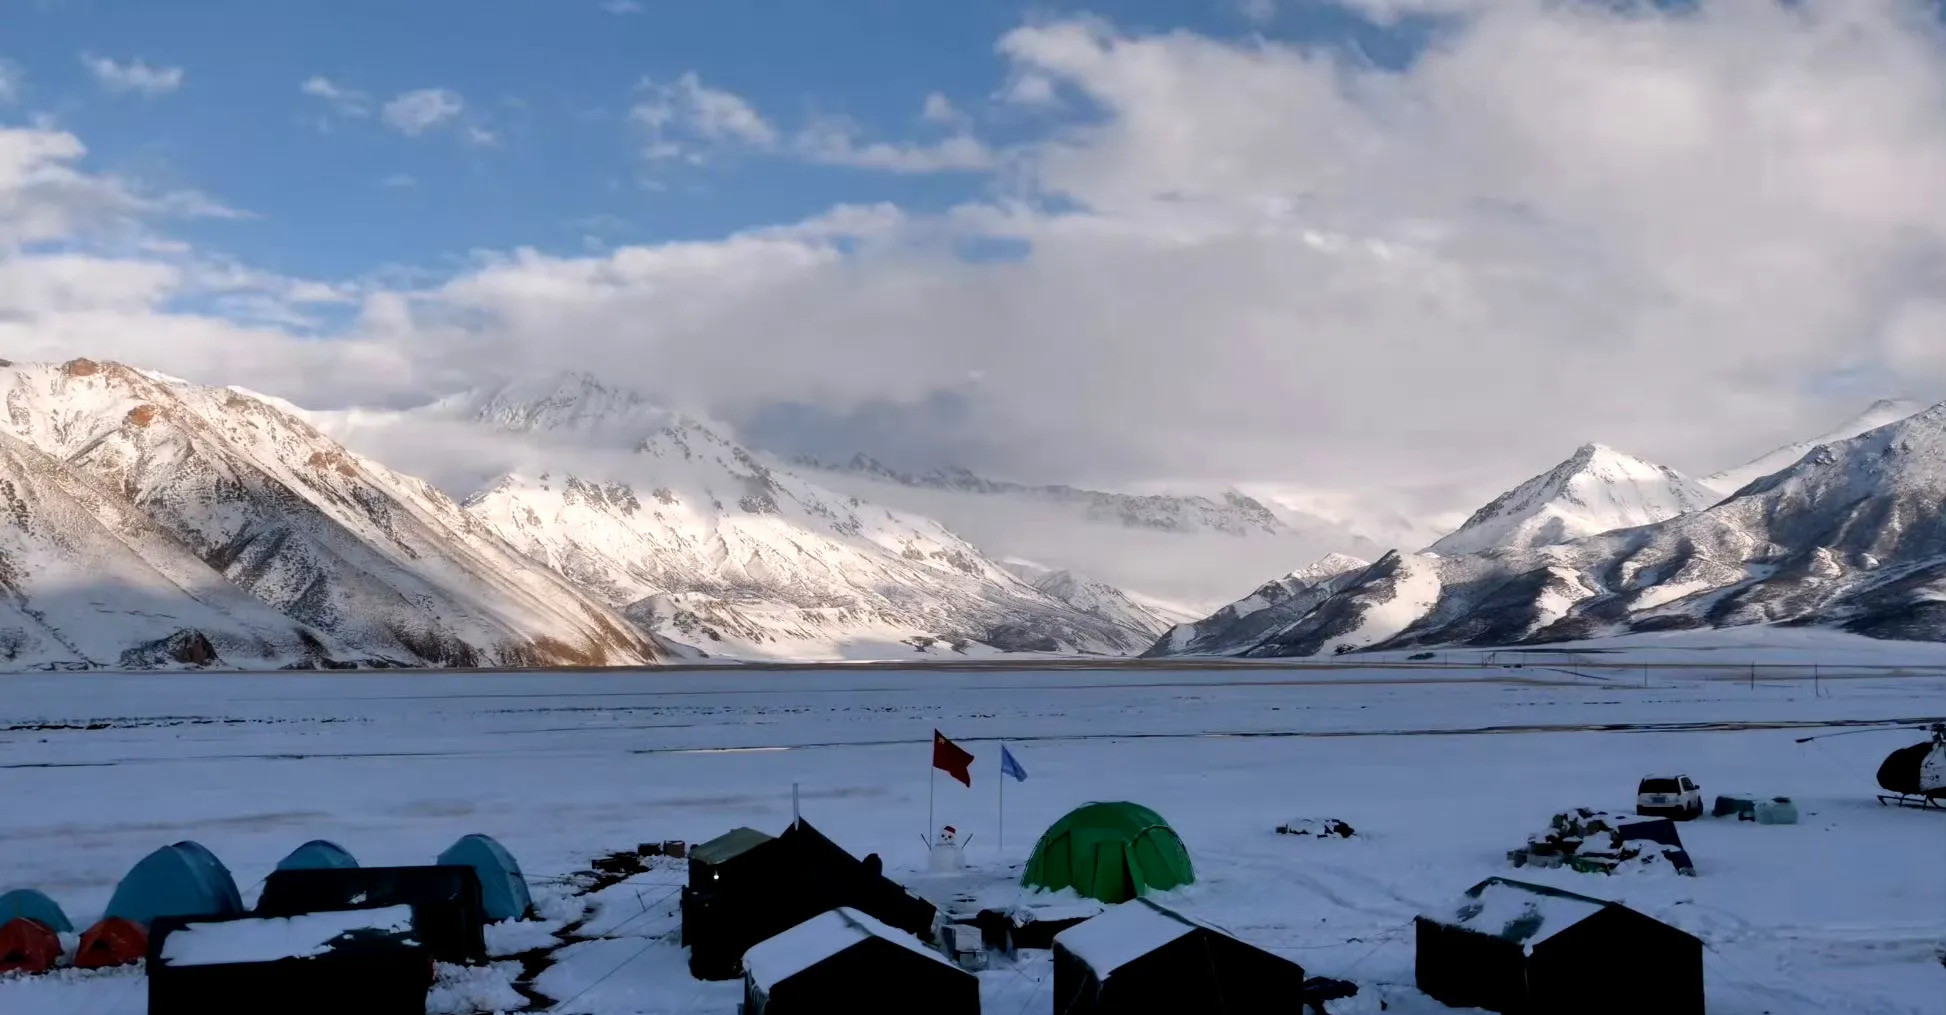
(1197, 550)
(87, 580)
(1879, 413)
(366, 565)
(1235, 514)
(1273, 606)
(1117, 606)
(698, 539)
(1596, 490)
(1853, 535)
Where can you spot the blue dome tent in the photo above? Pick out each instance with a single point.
(502, 887)
(180, 880)
(28, 903)
(318, 854)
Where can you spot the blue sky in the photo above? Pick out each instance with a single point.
(552, 82)
(1349, 241)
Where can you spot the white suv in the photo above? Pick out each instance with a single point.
(1673, 796)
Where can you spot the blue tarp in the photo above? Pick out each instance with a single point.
(502, 888)
(180, 880)
(318, 854)
(34, 906)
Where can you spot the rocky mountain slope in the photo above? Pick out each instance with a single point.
(695, 537)
(88, 580)
(1853, 536)
(1596, 490)
(380, 568)
(1879, 413)
(1275, 605)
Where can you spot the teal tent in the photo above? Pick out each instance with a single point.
(36, 907)
(318, 854)
(502, 887)
(180, 880)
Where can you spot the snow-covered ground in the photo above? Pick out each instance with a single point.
(1441, 769)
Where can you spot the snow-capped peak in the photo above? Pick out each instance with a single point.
(573, 402)
(1880, 413)
(1595, 490)
(1331, 565)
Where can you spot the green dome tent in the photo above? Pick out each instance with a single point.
(1112, 852)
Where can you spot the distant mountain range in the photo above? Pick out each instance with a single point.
(1851, 534)
(148, 522)
(152, 522)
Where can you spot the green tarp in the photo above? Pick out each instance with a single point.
(1112, 852)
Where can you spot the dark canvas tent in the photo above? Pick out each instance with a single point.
(445, 901)
(28, 903)
(318, 853)
(1109, 851)
(745, 887)
(1140, 957)
(180, 880)
(503, 889)
(367, 961)
(843, 960)
(1513, 947)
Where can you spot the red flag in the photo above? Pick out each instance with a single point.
(951, 759)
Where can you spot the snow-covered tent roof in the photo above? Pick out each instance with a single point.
(1126, 933)
(275, 938)
(772, 961)
(1516, 911)
(733, 843)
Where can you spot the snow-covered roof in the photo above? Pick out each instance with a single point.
(1125, 933)
(1518, 912)
(274, 938)
(772, 961)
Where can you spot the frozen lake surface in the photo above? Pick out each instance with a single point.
(1440, 770)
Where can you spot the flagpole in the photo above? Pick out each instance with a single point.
(1000, 840)
(932, 781)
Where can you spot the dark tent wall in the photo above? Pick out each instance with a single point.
(1202, 969)
(1561, 952)
(771, 886)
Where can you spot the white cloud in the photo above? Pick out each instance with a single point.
(939, 109)
(133, 76)
(346, 101)
(480, 136)
(686, 119)
(619, 7)
(1665, 230)
(415, 112)
(12, 81)
(836, 142)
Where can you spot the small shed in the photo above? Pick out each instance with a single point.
(1140, 957)
(367, 961)
(32, 905)
(745, 887)
(843, 960)
(1525, 949)
(445, 901)
(1111, 852)
(179, 880)
(503, 889)
(318, 853)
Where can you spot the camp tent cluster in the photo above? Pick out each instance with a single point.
(326, 935)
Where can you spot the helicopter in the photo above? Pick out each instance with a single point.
(1912, 776)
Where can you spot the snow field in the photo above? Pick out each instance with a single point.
(1844, 912)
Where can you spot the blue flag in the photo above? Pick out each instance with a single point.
(1008, 766)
